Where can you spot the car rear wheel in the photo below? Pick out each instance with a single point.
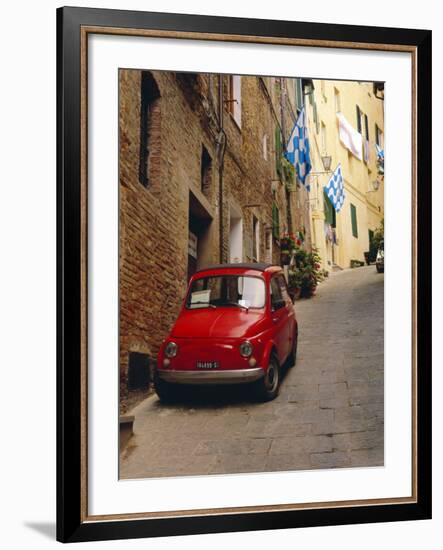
(379, 269)
(166, 392)
(268, 386)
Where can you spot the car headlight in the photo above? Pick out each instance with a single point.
(246, 349)
(171, 349)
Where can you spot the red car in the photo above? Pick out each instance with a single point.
(237, 325)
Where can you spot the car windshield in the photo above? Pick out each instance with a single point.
(226, 291)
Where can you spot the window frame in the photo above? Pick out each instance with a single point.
(149, 96)
(354, 220)
(235, 103)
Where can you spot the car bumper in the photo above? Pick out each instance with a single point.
(239, 376)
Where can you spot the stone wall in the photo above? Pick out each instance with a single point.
(157, 214)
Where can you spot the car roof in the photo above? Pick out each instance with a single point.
(256, 266)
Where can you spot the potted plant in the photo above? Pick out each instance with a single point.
(295, 283)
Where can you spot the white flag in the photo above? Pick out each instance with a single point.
(350, 138)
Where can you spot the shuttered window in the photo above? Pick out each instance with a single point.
(329, 210)
(354, 221)
(299, 100)
(358, 119)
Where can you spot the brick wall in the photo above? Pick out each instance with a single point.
(156, 216)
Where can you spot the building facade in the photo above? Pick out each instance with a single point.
(202, 181)
(346, 122)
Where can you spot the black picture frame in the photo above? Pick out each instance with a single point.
(72, 525)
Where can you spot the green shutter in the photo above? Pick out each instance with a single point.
(354, 221)
(329, 210)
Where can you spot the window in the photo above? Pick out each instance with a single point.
(150, 138)
(226, 291)
(354, 221)
(265, 146)
(329, 210)
(366, 140)
(337, 101)
(255, 239)
(138, 370)
(378, 136)
(284, 288)
(276, 295)
(234, 101)
(366, 128)
(299, 100)
(206, 171)
(359, 114)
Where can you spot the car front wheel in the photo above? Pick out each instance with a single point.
(268, 386)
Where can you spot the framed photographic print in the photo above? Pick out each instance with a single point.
(244, 271)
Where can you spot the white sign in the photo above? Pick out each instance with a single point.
(192, 245)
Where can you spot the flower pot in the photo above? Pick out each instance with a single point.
(295, 293)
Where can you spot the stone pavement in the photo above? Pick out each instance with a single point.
(329, 413)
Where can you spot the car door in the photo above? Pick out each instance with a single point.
(279, 318)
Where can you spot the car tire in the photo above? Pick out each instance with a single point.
(379, 269)
(269, 385)
(293, 355)
(166, 392)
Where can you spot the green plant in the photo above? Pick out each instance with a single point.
(379, 234)
(288, 173)
(307, 272)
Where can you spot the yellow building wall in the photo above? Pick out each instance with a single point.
(328, 98)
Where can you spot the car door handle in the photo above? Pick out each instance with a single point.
(275, 319)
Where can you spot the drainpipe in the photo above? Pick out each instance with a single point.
(283, 131)
(221, 146)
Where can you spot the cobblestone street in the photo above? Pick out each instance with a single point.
(329, 412)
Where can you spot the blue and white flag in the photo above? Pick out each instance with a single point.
(297, 149)
(335, 189)
(380, 152)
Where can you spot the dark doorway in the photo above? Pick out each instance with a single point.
(199, 242)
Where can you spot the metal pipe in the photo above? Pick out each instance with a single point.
(221, 145)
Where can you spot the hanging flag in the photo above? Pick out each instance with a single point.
(380, 152)
(297, 150)
(335, 189)
(380, 159)
(349, 136)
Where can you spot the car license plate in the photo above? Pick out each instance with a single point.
(207, 364)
